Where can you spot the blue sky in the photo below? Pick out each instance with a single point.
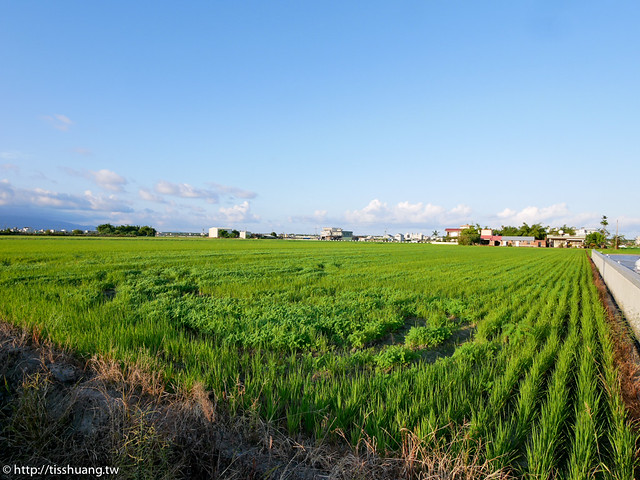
(291, 116)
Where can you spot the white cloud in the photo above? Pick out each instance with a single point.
(462, 210)
(108, 203)
(376, 211)
(108, 179)
(184, 190)
(104, 178)
(149, 196)
(405, 213)
(506, 213)
(531, 214)
(42, 198)
(46, 198)
(58, 121)
(238, 213)
(211, 195)
(6, 192)
(560, 214)
(232, 191)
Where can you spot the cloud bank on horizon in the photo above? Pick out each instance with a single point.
(181, 206)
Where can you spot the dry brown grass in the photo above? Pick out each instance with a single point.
(55, 408)
(420, 458)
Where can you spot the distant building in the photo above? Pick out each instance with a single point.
(398, 237)
(179, 234)
(521, 241)
(488, 238)
(566, 241)
(333, 233)
(638, 240)
(414, 237)
(301, 236)
(455, 232)
(215, 232)
(583, 232)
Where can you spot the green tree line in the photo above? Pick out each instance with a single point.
(126, 230)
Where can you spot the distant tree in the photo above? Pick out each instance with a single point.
(537, 231)
(77, 232)
(604, 222)
(435, 234)
(595, 240)
(524, 230)
(507, 231)
(127, 230)
(106, 229)
(469, 236)
(234, 234)
(274, 234)
(619, 240)
(147, 231)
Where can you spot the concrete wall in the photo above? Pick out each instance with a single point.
(624, 285)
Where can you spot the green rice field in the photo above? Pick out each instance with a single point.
(505, 351)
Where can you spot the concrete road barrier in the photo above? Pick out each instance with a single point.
(624, 285)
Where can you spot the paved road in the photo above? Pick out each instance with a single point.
(628, 261)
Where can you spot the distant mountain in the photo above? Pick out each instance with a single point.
(38, 222)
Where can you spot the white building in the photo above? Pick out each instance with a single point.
(333, 233)
(398, 237)
(414, 237)
(583, 232)
(214, 232)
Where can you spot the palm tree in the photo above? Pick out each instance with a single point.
(435, 233)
